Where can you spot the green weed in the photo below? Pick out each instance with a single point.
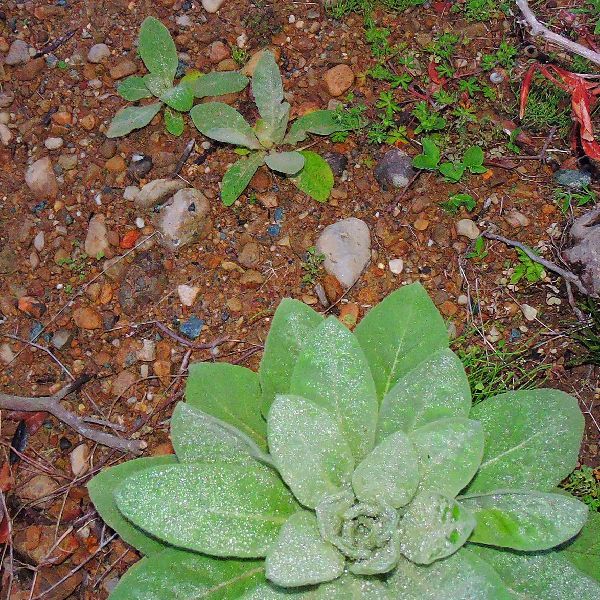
(526, 268)
(584, 484)
(567, 199)
(312, 266)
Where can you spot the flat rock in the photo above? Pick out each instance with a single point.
(250, 255)
(96, 240)
(87, 317)
(467, 228)
(18, 53)
(157, 191)
(573, 179)
(339, 79)
(187, 294)
(98, 53)
(394, 170)
(122, 383)
(80, 460)
(584, 253)
(347, 249)
(38, 487)
(40, 179)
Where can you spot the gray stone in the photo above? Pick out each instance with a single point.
(6, 99)
(18, 53)
(61, 338)
(96, 240)
(572, 178)
(40, 179)
(467, 228)
(347, 249)
(157, 191)
(394, 170)
(338, 162)
(584, 253)
(98, 53)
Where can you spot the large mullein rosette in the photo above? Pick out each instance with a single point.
(353, 465)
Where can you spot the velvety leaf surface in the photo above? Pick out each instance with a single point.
(132, 117)
(157, 48)
(218, 84)
(180, 97)
(584, 550)
(230, 393)
(101, 489)
(433, 527)
(316, 178)
(309, 449)
(179, 575)
(383, 560)
(539, 576)
(157, 83)
(462, 576)
(133, 89)
(389, 474)
(218, 509)
(399, 333)
(525, 520)
(267, 88)
(320, 122)
(174, 122)
(449, 451)
(418, 398)
(350, 587)
(238, 176)
(532, 440)
(332, 372)
(285, 162)
(269, 591)
(272, 133)
(300, 557)
(221, 122)
(291, 327)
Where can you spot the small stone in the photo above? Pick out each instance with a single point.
(38, 487)
(572, 178)
(122, 383)
(394, 170)
(123, 68)
(140, 165)
(250, 255)
(187, 294)
(88, 122)
(339, 79)
(192, 327)
(130, 193)
(448, 308)
(184, 21)
(156, 191)
(147, 352)
(218, 51)
(516, 219)
(349, 314)
(6, 354)
(467, 228)
(396, 266)
(53, 143)
(61, 338)
(5, 135)
(234, 305)
(116, 164)
(18, 53)
(98, 53)
(31, 306)
(494, 335)
(252, 279)
(80, 460)
(338, 162)
(529, 312)
(6, 99)
(268, 199)
(212, 6)
(96, 240)
(87, 318)
(39, 241)
(40, 179)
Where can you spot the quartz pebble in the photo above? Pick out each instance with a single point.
(529, 312)
(187, 294)
(396, 266)
(468, 229)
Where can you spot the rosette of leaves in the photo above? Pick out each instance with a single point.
(306, 169)
(353, 465)
(157, 50)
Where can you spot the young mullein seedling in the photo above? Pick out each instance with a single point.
(354, 465)
(157, 51)
(429, 160)
(307, 170)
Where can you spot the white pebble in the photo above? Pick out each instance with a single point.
(529, 312)
(396, 266)
(140, 223)
(53, 143)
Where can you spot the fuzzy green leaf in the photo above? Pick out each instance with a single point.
(350, 587)
(101, 490)
(532, 440)
(452, 172)
(157, 84)
(230, 393)
(132, 117)
(238, 176)
(473, 157)
(584, 550)
(133, 89)
(180, 97)
(389, 474)
(174, 122)
(223, 123)
(320, 122)
(157, 49)
(218, 84)
(316, 179)
(525, 520)
(433, 527)
(449, 451)
(300, 557)
(291, 327)
(218, 509)
(299, 428)
(430, 157)
(399, 333)
(272, 134)
(267, 89)
(285, 162)
(332, 371)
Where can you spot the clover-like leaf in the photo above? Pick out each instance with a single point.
(157, 49)
(214, 508)
(430, 157)
(316, 178)
(223, 123)
(219, 83)
(320, 122)
(453, 172)
(300, 557)
(238, 176)
(174, 122)
(532, 440)
(299, 428)
(333, 372)
(449, 451)
(389, 474)
(399, 333)
(285, 162)
(180, 97)
(433, 527)
(473, 157)
(101, 489)
(133, 89)
(132, 117)
(525, 520)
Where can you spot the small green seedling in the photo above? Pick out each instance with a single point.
(428, 120)
(453, 171)
(479, 252)
(306, 169)
(567, 199)
(430, 157)
(157, 51)
(312, 266)
(531, 270)
(456, 201)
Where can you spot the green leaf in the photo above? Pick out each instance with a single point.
(269, 591)
(179, 575)
(462, 576)
(174, 122)
(133, 89)
(449, 451)
(291, 327)
(285, 162)
(350, 587)
(267, 89)
(238, 176)
(433, 527)
(525, 520)
(157, 84)
(132, 117)
(333, 372)
(399, 333)
(218, 509)
(532, 440)
(316, 179)
(584, 550)
(320, 122)
(452, 172)
(230, 393)
(430, 157)
(478, 170)
(389, 474)
(198, 437)
(157, 49)
(418, 398)
(180, 97)
(218, 84)
(473, 157)
(539, 576)
(101, 490)
(299, 428)
(223, 123)
(300, 557)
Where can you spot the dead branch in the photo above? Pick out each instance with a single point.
(52, 405)
(539, 29)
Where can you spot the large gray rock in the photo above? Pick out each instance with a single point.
(347, 249)
(157, 191)
(584, 253)
(394, 170)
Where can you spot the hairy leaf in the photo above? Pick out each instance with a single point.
(399, 333)
(133, 89)
(157, 49)
(584, 550)
(333, 372)
(316, 178)
(157, 84)
(320, 122)
(180, 97)
(174, 122)
(132, 117)
(285, 162)
(272, 134)
(350, 587)
(218, 509)
(238, 176)
(267, 89)
(101, 490)
(218, 84)
(532, 440)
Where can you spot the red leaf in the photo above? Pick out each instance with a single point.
(4, 531)
(35, 421)
(441, 7)
(434, 75)
(525, 88)
(6, 478)
(592, 149)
